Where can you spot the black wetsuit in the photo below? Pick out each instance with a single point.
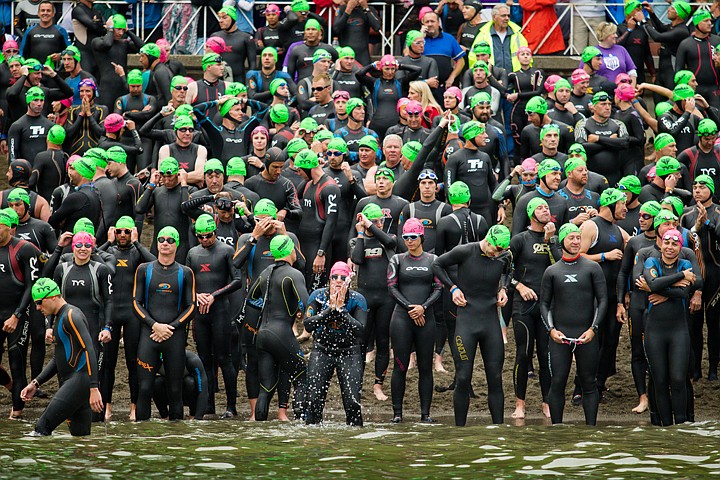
(570, 288)
(165, 295)
(129, 191)
(532, 255)
(578, 204)
(83, 133)
(279, 291)
(49, 172)
(682, 127)
(353, 30)
(526, 84)
(88, 24)
(391, 207)
(27, 137)
(606, 156)
(216, 275)
(158, 84)
(80, 202)
(337, 336)
(241, 47)
(19, 261)
(696, 54)
(110, 51)
(411, 282)
(475, 169)
(195, 388)
(127, 262)
(300, 60)
(348, 82)
(55, 88)
(558, 210)
(350, 193)
(699, 162)
(76, 367)
(109, 198)
(282, 192)
(479, 277)
(669, 38)
(167, 213)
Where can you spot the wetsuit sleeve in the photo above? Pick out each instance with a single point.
(292, 202)
(73, 126)
(147, 130)
(435, 295)
(103, 44)
(363, 77)
(625, 271)
(78, 325)
(71, 204)
(256, 291)
(192, 209)
(499, 193)
(106, 295)
(331, 198)
(145, 255)
(392, 283)
(28, 256)
(429, 153)
(145, 203)
(357, 252)
(197, 370)
(387, 241)
(601, 295)
(453, 257)
(294, 292)
(666, 124)
(681, 56)
(412, 73)
(81, 15)
(659, 283)
(546, 296)
(48, 372)
(235, 282)
(62, 90)
(188, 299)
(139, 297)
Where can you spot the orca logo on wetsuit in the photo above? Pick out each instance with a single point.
(571, 278)
(204, 267)
(420, 269)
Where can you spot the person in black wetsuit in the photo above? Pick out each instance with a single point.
(166, 199)
(123, 243)
(88, 24)
(680, 121)
(391, 205)
(415, 43)
(474, 168)
(695, 53)
(280, 293)
(336, 317)
(106, 189)
(195, 388)
(704, 157)
(415, 289)
(164, 301)
(269, 35)
(526, 173)
(158, 83)
(270, 184)
(258, 81)
(34, 74)
(292, 27)
(216, 277)
(548, 184)
(346, 82)
(582, 203)
(533, 250)
(18, 269)
(299, 60)
(495, 142)
(523, 84)
(82, 201)
(630, 186)
(320, 199)
(240, 45)
(74, 362)
(353, 25)
(603, 242)
(631, 301)
(49, 170)
(569, 290)
(484, 272)
(127, 185)
(27, 136)
(667, 339)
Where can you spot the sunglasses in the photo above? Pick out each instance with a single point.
(412, 114)
(11, 50)
(224, 204)
(186, 130)
(180, 87)
(425, 176)
(169, 240)
(205, 236)
(81, 245)
(214, 172)
(339, 277)
(646, 216)
(168, 173)
(411, 236)
(334, 153)
(320, 89)
(123, 231)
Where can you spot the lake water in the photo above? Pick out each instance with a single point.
(272, 450)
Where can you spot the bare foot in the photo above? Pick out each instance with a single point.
(546, 410)
(413, 361)
(108, 412)
(369, 357)
(438, 364)
(519, 409)
(282, 415)
(132, 412)
(17, 414)
(377, 390)
(642, 405)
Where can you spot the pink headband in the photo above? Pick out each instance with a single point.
(523, 50)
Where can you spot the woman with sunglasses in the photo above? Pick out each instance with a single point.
(88, 285)
(336, 317)
(484, 273)
(667, 339)
(415, 289)
(371, 252)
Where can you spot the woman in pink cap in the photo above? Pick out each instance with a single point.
(626, 113)
(336, 316)
(523, 84)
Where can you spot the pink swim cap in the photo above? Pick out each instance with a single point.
(71, 160)
(82, 237)
(387, 60)
(114, 123)
(622, 78)
(651, 174)
(455, 91)
(625, 92)
(413, 107)
(674, 234)
(413, 226)
(260, 129)
(340, 268)
(216, 44)
(66, 102)
(550, 83)
(523, 49)
(529, 165)
(164, 49)
(578, 76)
(402, 103)
(10, 44)
(424, 11)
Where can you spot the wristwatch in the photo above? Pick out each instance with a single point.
(320, 253)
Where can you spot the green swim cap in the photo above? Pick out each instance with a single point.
(651, 207)
(550, 127)
(577, 149)
(84, 224)
(230, 12)
(480, 98)
(323, 135)
(631, 6)
(312, 23)
(228, 105)
(9, 217)
(699, 16)
(664, 216)
(210, 59)
(662, 140)
(573, 163)
(171, 232)
(566, 230)
(536, 105)
(271, 50)
(134, 77)
(19, 194)
(98, 156)
(299, 6)
(458, 193)
(481, 48)
(481, 64)
(184, 110)
(56, 135)
(119, 21)
(533, 204)
(295, 145)
(682, 92)
(279, 113)
(368, 141)
(707, 127)
(683, 77)
(661, 108)
(611, 196)
(562, 83)
(169, 165)
(411, 36)
(306, 159)
(34, 93)
(706, 180)
(498, 236)
(666, 166)
(631, 183)
(675, 203)
(45, 288)
(338, 144)
(600, 97)
(73, 51)
(281, 246)
(236, 166)
(205, 223)
(321, 54)
(151, 50)
(352, 104)
(116, 154)
(372, 211)
(345, 52)
(85, 167)
(213, 164)
(184, 121)
(385, 172)
(411, 149)
(125, 222)
(274, 85)
(472, 129)
(547, 166)
(233, 88)
(32, 64)
(265, 206)
(591, 52)
(178, 80)
(309, 124)
(682, 8)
